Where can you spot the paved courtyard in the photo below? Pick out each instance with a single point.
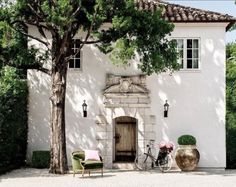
(41, 178)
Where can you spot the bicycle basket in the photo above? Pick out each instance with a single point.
(162, 158)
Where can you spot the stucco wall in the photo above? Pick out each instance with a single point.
(196, 98)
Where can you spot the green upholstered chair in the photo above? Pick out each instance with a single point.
(80, 165)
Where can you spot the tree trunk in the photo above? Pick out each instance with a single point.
(58, 164)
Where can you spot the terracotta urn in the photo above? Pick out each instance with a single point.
(187, 157)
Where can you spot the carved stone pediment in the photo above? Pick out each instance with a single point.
(126, 85)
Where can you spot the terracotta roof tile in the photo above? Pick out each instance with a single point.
(179, 13)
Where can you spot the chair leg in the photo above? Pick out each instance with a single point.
(89, 173)
(73, 173)
(102, 172)
(83, 173)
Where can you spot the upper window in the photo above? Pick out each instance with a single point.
(180, 49)
(75, 61)
(188, 53)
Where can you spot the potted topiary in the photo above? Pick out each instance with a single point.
(187, 155)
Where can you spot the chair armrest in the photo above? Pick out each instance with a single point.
(76, 164)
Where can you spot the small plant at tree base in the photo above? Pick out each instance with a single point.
(187, 140)
(41, 159)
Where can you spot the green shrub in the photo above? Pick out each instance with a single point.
(13, 119)
(231, 107)
(41, 159)
(187, 140)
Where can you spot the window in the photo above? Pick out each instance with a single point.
(180, 49)
(192, 54)
(75, 61)
(188, 53)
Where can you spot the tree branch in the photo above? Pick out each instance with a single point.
(63, 45)
(37, 4)
(47, 26)
(77, 10)
(87, 35)
(92, 42)
(34, 11)
(47, 44)
(39, 27)
(34, 66)
(38, 24)
(45, 70)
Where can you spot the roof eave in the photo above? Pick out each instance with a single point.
(230, 22)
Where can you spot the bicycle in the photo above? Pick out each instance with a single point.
(146, 161)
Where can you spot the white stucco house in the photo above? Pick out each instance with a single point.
(125, 108)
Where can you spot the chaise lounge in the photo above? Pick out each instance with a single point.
(80, 163)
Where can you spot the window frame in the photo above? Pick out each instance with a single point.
(74, 59)
(185, 58)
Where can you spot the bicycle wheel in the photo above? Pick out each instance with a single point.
(143, 162)
(166, 163)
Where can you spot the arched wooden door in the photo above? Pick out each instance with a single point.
(125, 139)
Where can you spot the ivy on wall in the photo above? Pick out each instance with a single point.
(13, 119)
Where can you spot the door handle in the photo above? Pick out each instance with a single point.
(117, 138)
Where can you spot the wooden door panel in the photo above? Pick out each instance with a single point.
(125, 135)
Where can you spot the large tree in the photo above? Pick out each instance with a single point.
(131, 31)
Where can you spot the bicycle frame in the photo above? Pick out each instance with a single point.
(149, 154)
(163, 159)
(154, 160)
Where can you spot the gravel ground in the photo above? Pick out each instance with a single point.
(29, 177)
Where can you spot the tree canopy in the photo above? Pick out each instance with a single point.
(130, 31)
(14, 51)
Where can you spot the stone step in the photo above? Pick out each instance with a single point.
(124, 165)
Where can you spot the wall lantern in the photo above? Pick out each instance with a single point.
(166, 108)
(84, 106)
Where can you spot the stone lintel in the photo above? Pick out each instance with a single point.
(126, 95)
(127, 105)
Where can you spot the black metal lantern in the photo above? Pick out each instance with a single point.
(84, 106)
(166, 108)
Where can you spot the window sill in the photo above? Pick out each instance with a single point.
(74, 69)
(190, 71)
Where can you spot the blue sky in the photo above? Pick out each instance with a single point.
(222, 6)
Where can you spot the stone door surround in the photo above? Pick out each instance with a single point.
(124, 96)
